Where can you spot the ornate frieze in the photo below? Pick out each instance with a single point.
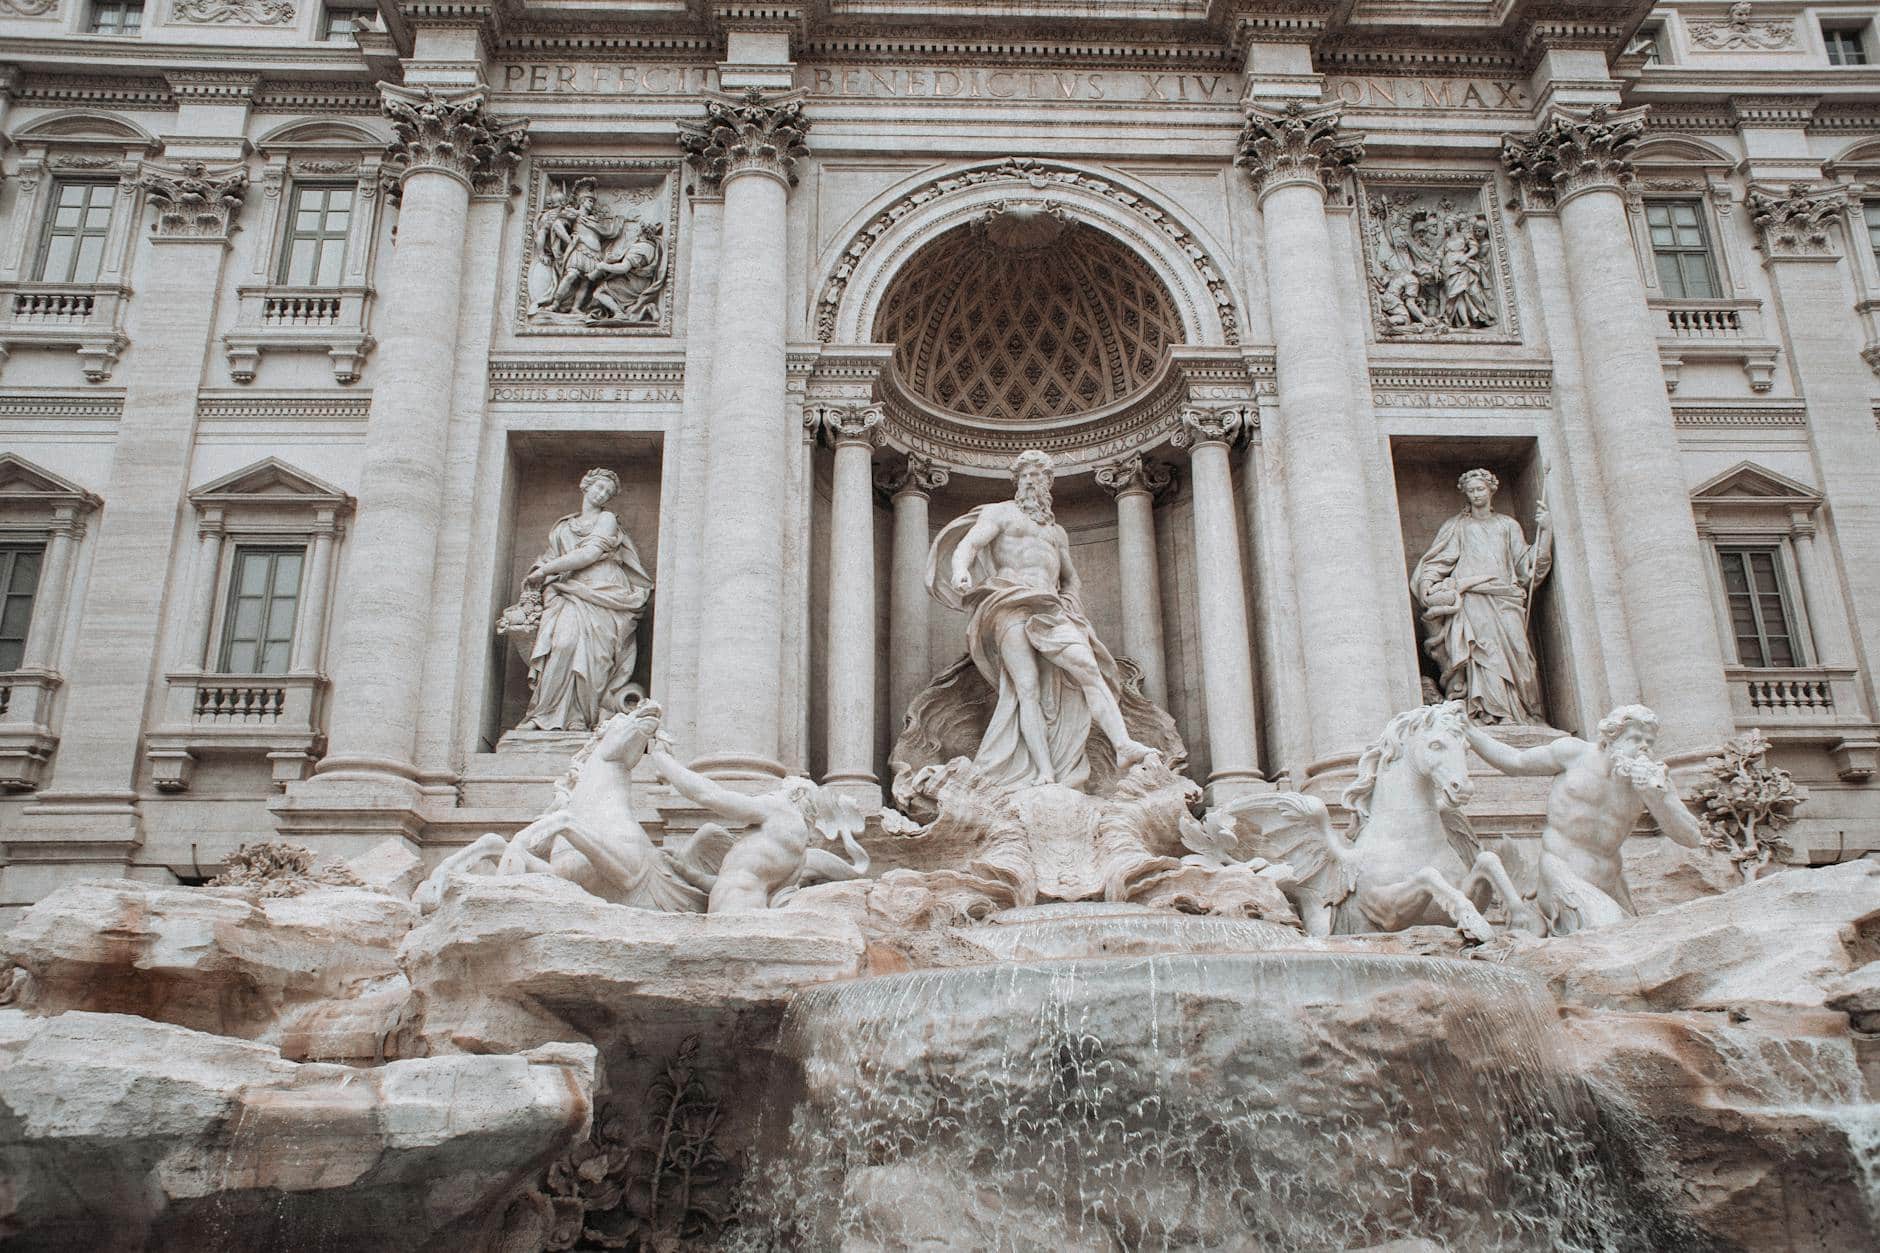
(1435, 257)
(1037, 176)
(598, 255)
(1215, 424)
(192, 203)
(29, 8)
(913, 473)
(623, 380)
(451, 133)
(1396, 387)
(1796, 224)
(1295, 145)
(1738, 33)
(752, 131)
(836, 424)
(1574, 152)
(234, 12)
(1136, 473)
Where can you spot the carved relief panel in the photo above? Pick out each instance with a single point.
(1436, 258)
(597, 255)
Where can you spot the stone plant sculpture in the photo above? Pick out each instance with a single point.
(592, 839)
(1476, 585)
(1603, 789)
(579, 616)
(1744, 802)
(1414, 859)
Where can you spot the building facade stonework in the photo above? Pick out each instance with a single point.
(311, 321)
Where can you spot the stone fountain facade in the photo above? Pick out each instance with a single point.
(542, 506)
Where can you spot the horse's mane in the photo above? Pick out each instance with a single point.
(564, 786)
(1447, 716)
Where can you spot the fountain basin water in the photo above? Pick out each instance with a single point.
(1295, 1101)
(1063, 931)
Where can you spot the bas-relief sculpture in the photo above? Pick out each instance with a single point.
(1476, 587)
(1433, 263)
(595, 263)
(1738, 33)
(577, 620)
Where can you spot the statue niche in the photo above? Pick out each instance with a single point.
(576, 623)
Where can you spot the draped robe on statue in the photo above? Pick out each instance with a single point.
(1052, 624)
(586, 646)
(1480, 637)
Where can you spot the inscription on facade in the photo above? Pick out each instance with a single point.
(994, 82)
(533, 395)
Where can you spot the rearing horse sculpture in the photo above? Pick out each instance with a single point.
(1414, 859)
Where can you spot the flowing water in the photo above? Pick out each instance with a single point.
(1296, 1101)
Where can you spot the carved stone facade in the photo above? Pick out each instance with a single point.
(1261, 284)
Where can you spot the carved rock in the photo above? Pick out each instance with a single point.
(1779, 941)
(314, 975)
(508, 963)
(118, 1134)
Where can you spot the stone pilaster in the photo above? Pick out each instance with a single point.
(445, 142)
(87, 814)
(748, 146)
(1581, 163)
(1799, 230)
(1136, 483)
(1210, 435)
(910, 652)
(1290, 154)
(853, 431)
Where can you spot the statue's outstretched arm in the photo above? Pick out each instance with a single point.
(1539, 760)
(1674, 818)
(733, 806)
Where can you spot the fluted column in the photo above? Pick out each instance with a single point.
(910, 653)
(1136, 482)
(749, 145)
(445, 140)
(1322, 440)
(1221, 590)
(852, 431)
(1581, 162)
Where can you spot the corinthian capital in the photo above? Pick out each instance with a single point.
(838, 424)
(1574, 152)
(1796, 224)
(192, 203)
(1226, 424)
(915, 474)
(451, 133)
(1295, 145)
(748, 132)
(1134, 473)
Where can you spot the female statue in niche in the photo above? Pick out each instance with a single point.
(583, 597)
(1476, 586)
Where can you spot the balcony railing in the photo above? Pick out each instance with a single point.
(217, 702)
(26, 738)
(274, 716)
(1715, 330)
(276, 318)
(84, 316)
(54, 306)
(300, 311)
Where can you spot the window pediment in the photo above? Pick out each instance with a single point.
(24, 484)
(270, 482)
(1747, 483)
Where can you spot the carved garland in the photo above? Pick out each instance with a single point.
(1796, 224)
(1575, 152)
(1037, 175)
(245, 12)
(194, 204)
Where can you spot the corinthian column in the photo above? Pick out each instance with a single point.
(445, 140)
(853, 431)
(1226, 649)
(1581, 162)
(1136, 483)
(910, 653)
(749, 145)
(1322, 440)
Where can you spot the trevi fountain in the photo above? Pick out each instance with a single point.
(1049, 1000)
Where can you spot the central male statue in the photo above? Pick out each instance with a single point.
(1009, 564)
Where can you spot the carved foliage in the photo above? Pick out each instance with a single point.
(1744, 802)
(1135, 473)
(837, 424)
(244, 12)
(1796, 224)
(29, 8)
(1573, 152)
(278, 869)
(450, 132)
(751, 131)
(193, 203)
(1222, 424)
(914, 474)
(1296, 144)
(1738, 33)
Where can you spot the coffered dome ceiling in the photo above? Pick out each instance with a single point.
(1026, 315)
